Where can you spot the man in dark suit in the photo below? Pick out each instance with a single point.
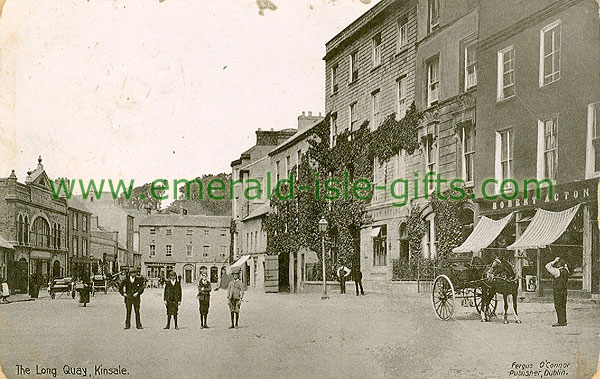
(131, 289)
(172, 298)
(357, 277)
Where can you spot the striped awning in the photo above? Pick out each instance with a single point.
(5, 244)
(545, 228)
(238, 264)
(483, 235)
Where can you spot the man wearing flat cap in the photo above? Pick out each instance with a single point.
(131, 289)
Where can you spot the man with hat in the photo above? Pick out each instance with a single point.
(235, 293)
(131, 289)
(172, 298)
(560, 271)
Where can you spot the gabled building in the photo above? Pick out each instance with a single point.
(33, 229)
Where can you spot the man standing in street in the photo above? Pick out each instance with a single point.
(235, 294)
(131, 289)
(357, 277)
(342, 274)
(559, 270)
(172, 298)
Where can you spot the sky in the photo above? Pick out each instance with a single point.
(146, 89)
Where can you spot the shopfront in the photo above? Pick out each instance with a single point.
(561, 221)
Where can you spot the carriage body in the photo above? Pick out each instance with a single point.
(461, 277)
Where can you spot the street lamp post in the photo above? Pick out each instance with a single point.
(322, 228)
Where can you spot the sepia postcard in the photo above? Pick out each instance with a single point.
(331, 189)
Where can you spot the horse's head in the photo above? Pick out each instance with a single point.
(500, 268)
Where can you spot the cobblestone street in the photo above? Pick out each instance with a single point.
(293, 336)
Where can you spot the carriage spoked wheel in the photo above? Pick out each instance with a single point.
(443, 297)
(491, 308)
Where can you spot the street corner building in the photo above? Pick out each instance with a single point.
(185, 244)
(33, 230)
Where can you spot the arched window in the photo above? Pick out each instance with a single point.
(26, 231)
(214, 276)
(20, 230)
(54, 233)
(41, 232)
(59, 236)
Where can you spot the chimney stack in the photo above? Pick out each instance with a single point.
(305, 121)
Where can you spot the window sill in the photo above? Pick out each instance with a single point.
(352, 82)
(542, 85)
(471, 89)
(375, 67)
(403, 49)
(469, 184)
(503, 99)
(333, 94)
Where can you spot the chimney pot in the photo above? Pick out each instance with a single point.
(259, 129)
(309, 113)
(271, 129)
(302, 113)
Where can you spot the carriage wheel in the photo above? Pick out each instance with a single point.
(443, 297)
(477, 294)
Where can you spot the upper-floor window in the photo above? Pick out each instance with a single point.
(430, 149)
(41, 231)
(375, 109)
(433, 80)
(206, 231)
(152, 230)
(353, 73)
(434, 14)
(26, 239)
(152, 251)
(189, 250)
(334, 79)
(470, 66)
(205, 251)
(468, 150)
(550, 53)
(506, 73)
(504, 158)
(288, 167)
(547, 148)
(75, 220)
(333, 132)
(20, 230)
(84, 247)
(75, 246)
(84, 223)
(189, 232)
(277, 164)
(224, 232)
(593, 142)
(168, 250)
(402, 32)
(376, 49)
(353, 117)
(401, 95)
(169, 231)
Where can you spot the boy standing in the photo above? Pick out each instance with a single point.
(235, 293)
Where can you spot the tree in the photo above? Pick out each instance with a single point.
(142, 198)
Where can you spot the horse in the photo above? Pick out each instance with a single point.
(499, 277)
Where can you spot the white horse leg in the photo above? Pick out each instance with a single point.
(514, 300)
(505, 297)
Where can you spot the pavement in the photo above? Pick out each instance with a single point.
(294, 336)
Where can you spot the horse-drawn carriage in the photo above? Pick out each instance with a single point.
(460, 278)
(99, 283)
(470, 279)
(60, 285)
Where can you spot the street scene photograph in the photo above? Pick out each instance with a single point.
(328, 189)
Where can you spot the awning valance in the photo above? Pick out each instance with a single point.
(484, 233)
(237, 264)
(375, 232)
(545, 228)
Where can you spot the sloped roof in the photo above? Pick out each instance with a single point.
(76, 204)
(263, 209)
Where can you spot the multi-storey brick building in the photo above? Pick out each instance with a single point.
(370, 74)
(249, 238)
(35, 224)
(186, 244)
(79, 239)
(537, 109)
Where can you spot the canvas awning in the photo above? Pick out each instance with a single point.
(483, 235)
(545, 228)
(309, 256)
(237, 264)
(375, 232)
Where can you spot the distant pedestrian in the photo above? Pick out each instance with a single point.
(4, 291)
(172, 298)
(131, 289)
(225, 279)
(204, 288)
(235, 294)
(560, 271)
(357, 277)
(342, 273)
(83, 288)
